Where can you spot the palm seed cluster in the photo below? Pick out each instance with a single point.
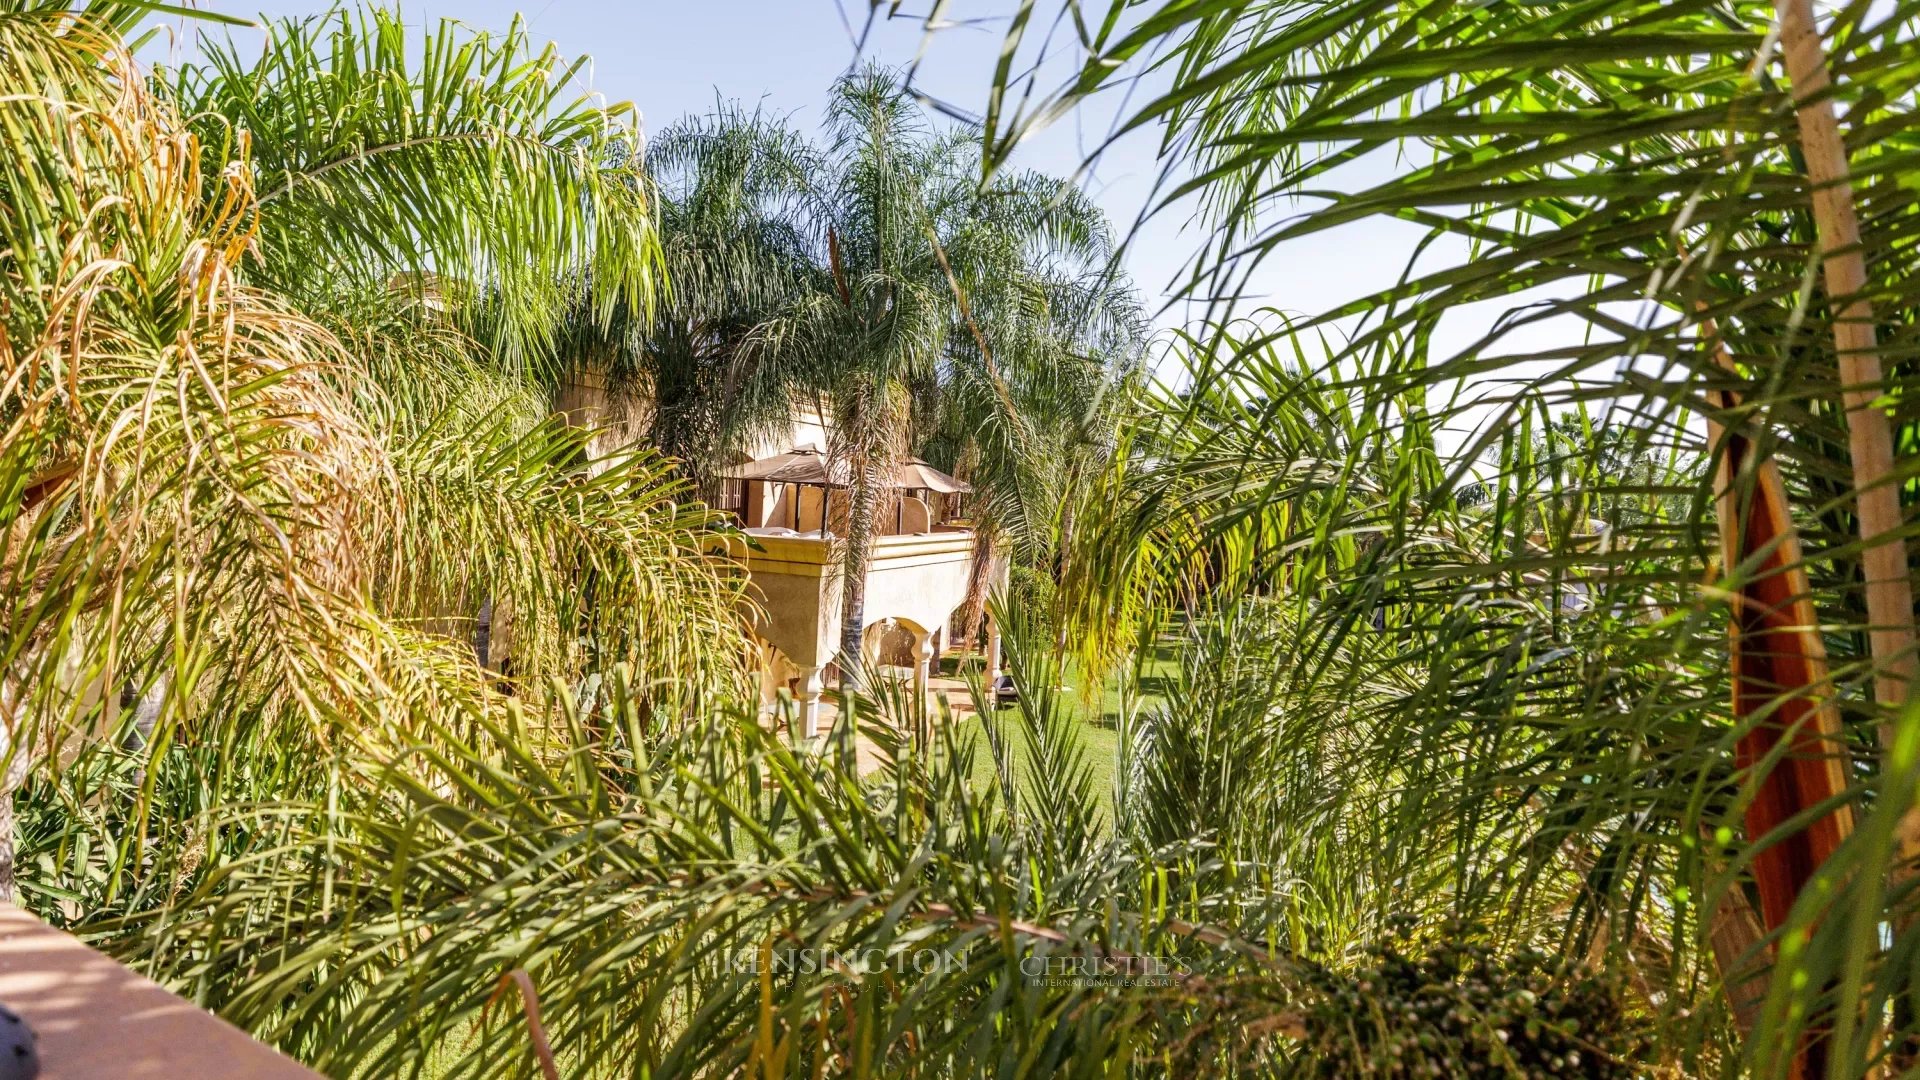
(1458, 1009)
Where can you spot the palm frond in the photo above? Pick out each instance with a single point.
(458, 169)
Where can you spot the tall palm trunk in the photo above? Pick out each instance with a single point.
(1869, 434)
(1063, 557)
(869, 431)
(973, 608)
(862, 507)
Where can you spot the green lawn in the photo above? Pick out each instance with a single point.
(1097, 726)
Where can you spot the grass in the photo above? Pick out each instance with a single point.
(1097, 727)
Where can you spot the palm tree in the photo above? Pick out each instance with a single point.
(1446, 782)
(1029, 401)
(741, 247)
(926, 272)
(465, 174)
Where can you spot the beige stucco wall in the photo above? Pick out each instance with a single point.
(621, 411)
(917, 580)
(921, 579)
(806, 428)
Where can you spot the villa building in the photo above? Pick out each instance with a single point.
(791, 501)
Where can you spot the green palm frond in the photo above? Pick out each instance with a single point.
(458, 167)
(723, 903)
(212, 501)
(1642, 167)
(1445, 776)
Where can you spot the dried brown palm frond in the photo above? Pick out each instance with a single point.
(203, 489)
(185, 436)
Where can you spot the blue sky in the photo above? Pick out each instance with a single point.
(672, 57)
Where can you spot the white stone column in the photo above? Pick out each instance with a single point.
(811, 684)
(922, 663)
(993, 651)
